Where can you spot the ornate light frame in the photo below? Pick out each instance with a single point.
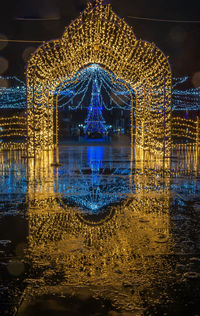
(99, 36)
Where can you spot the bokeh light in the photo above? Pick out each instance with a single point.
(19, 250)
(15, 268)
(27, 53)
(196, 79)
(3, 41)
(3, 84)
(177, 34)
(3, 65)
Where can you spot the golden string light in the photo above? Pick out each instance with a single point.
(18, 118)
(14, 126)
(186, 128)
(99, 36)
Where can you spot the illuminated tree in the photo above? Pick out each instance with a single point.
(95, 122)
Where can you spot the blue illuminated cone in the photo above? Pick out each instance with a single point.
(95, 122)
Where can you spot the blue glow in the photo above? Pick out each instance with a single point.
(95, 122)
(94, 189)
(95, 157)
(113, 95)
(112, 91)
(12, 93)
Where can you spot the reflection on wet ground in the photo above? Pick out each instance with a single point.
(106, 233)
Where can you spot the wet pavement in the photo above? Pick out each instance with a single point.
(105, 233)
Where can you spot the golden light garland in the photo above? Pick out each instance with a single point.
(99, 36)
(14, 126)
(186, 129)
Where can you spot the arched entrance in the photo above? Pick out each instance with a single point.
(99, 36)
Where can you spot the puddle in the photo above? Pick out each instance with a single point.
(102, 236)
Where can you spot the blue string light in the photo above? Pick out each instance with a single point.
(95, 122)
(113, 93)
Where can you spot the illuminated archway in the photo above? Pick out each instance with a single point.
(99, 36)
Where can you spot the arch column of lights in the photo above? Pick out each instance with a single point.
(99, 36)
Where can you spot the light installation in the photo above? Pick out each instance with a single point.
(113, 92)
(117, 96)
(99, 36)
(122, 82)
(12, 93)
(73, 93)
(186, 129)
(184, 99)
(95, 122)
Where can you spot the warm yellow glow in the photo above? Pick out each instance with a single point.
(186, 128)
(99, 36)
(10, 127)
(92, 253)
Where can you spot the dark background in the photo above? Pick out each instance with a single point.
(46, 19)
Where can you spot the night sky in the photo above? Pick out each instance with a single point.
(46, 19)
